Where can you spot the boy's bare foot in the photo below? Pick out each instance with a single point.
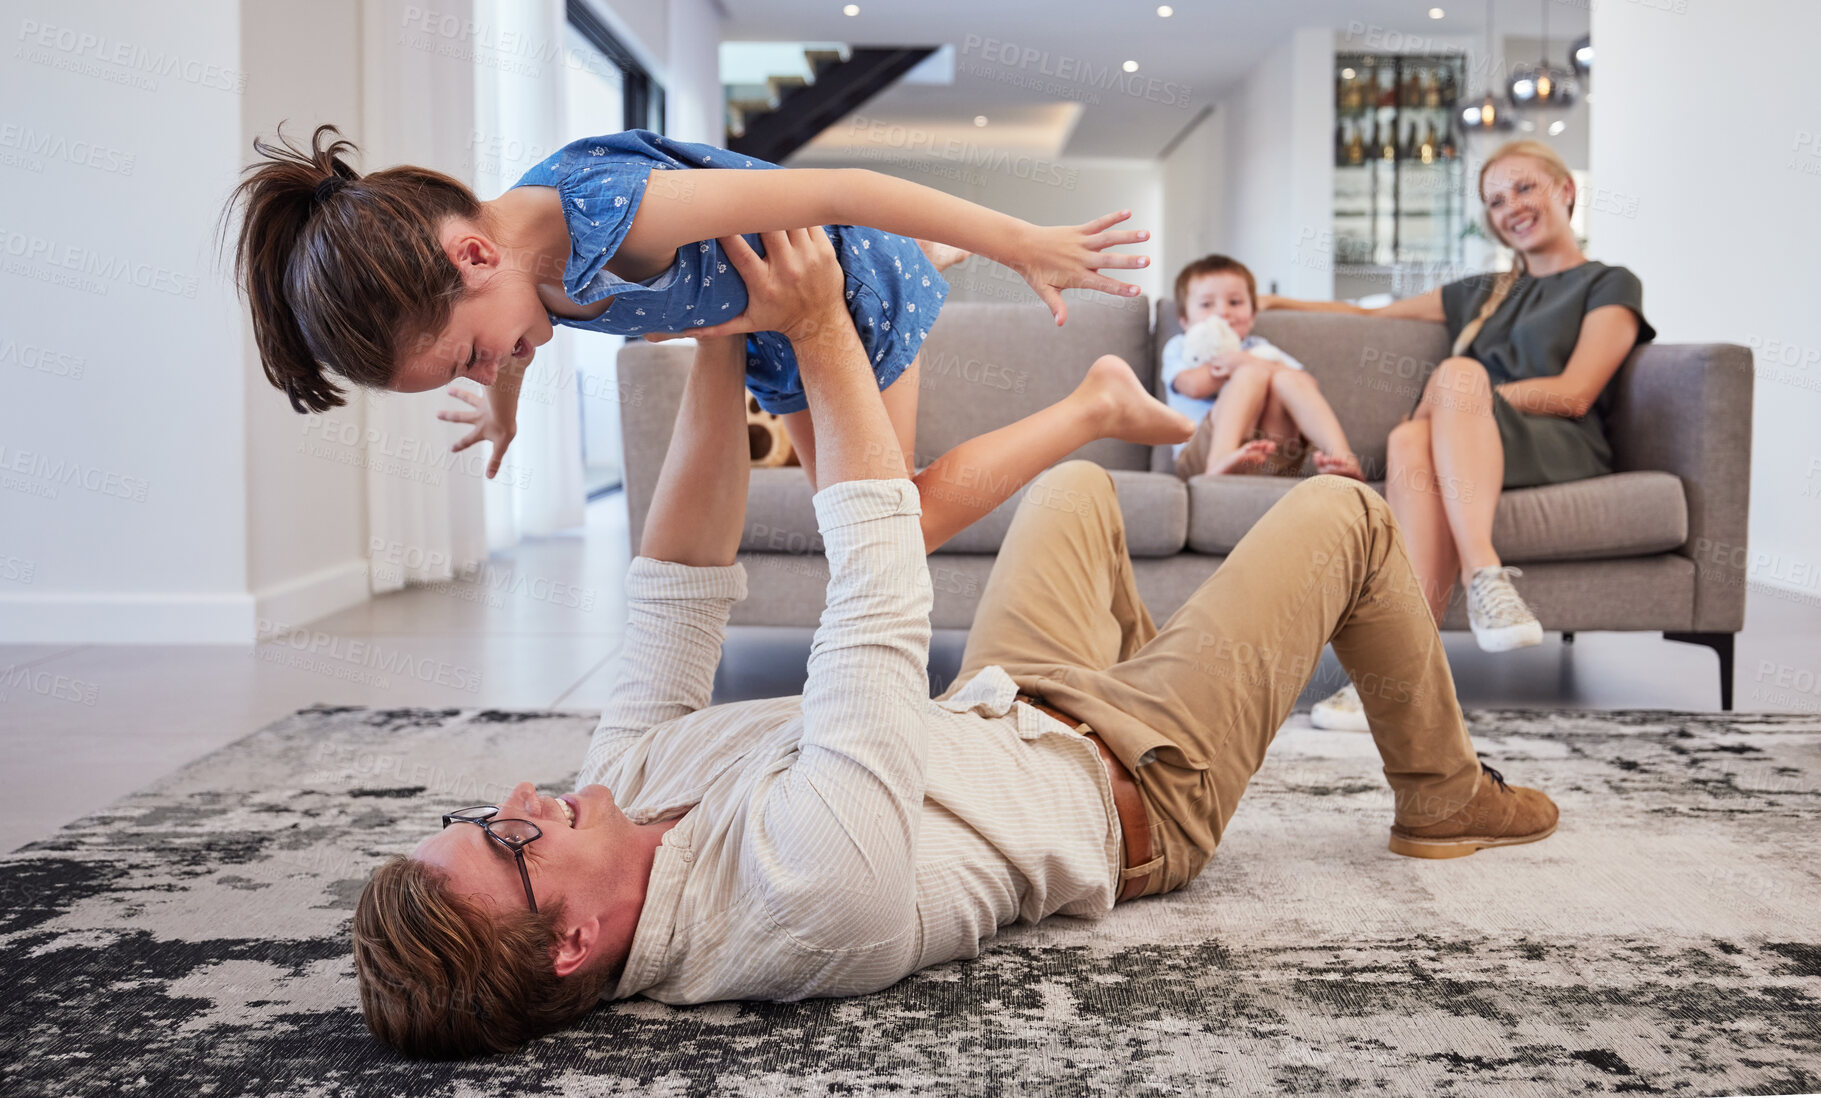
(1341, 465)
(1249, 458)
(942, 256)
(1122, 409)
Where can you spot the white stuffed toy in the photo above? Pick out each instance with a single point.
(1207, 339)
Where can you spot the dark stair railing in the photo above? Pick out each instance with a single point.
(840, 87)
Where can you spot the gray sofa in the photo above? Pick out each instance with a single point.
(1656, 546)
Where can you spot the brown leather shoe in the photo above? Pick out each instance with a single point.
(1498, 815)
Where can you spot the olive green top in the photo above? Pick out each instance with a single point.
(1532, 334)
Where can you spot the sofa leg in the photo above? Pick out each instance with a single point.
(1721, 643)
(1567, 636)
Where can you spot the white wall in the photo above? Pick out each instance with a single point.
(124, 490)
(1194, 199)
(1710, 190)
(1278, 147)
(306, 514)
(693, 104)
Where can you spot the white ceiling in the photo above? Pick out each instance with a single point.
(1077, 46)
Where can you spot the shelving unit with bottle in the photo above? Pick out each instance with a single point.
(1399, 192)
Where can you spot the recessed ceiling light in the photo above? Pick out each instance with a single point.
(851, 9)
(1436, 13)
(1556, 127)
(1164, 11)
(980, 120)
(1130, 66)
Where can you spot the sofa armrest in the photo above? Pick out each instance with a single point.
(651, 381)
(1686, 409)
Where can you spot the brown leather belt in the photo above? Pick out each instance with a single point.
(1134, 823)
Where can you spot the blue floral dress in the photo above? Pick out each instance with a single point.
(893, 293)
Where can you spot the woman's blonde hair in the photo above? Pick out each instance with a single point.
(1501, 286)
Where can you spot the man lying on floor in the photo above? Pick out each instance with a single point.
(833, 843)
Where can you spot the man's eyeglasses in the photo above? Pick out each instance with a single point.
(514, 835)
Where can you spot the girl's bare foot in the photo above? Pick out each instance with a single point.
(1249, 458)
(1341, 465)
(1119, 407)
(942, 256)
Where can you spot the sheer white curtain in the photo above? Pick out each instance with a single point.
(521, 59)
(425, 512)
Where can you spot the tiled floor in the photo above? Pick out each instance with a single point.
(81, 726)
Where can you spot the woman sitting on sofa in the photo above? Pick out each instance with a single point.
(1522, 402)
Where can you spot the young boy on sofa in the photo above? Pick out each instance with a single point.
(1269, 412)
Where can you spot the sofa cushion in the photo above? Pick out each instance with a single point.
(781, 519)
(986, 365)
(1622, 515)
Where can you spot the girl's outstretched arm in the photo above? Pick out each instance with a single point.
(683, 206)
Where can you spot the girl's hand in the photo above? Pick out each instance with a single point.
(1064, 257)
(488, 424)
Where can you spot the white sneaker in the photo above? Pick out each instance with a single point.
(1340, 711)
(1499, 617)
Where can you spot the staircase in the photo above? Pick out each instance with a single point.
(774, 119)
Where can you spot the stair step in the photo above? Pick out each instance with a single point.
(782, 86)
(791, 110)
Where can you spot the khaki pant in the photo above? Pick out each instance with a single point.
(1191, 708)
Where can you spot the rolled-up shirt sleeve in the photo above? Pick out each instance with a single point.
(839, 828)
(676, 621)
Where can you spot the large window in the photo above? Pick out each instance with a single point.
(641, 98)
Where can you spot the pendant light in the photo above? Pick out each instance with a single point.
(1488, 114)
(1580, 56)
(1542, 84)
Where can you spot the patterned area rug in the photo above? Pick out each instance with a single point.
(193, 939)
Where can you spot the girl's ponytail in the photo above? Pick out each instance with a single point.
(342, 271)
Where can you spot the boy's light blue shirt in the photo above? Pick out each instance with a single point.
(1173, 364)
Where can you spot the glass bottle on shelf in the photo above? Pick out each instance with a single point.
(1399, 197)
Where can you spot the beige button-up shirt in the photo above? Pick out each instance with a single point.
(833, 843)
